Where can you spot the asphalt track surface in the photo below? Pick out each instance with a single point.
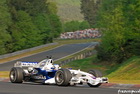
(56, 53)
(35, 88)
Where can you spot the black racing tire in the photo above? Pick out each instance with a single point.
(96, 73)
(63, 77)
(94, 85)
(16, 75)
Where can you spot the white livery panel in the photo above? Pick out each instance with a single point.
(25, 64)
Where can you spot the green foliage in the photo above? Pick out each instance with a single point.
(119, 22)
(90, 8)
(5, 21)
(121, 32)
(52, 8)
(56, 25)
(41, 21)
(84, 25)
(27, 29)
(75, 25)
(35, 7)
(27, 23)
(71, 26)
(131, 13)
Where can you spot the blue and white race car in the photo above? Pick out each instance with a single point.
(46, 72)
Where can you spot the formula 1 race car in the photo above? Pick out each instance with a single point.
(46, 72)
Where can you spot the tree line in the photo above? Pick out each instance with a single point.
(27, 23)
(75, 25)
(119, 21)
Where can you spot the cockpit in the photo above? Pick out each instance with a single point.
(47, 64)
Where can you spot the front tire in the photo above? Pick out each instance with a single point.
(16, 75)
(96, 73)
(63, 77)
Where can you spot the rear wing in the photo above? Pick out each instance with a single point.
(25, 64)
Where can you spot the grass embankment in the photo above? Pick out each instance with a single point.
(69, 10)
(125, 73)
(72, 41)
(128, 72)
(60, 42)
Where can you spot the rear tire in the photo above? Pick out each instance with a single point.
(16, 75)
(96, 73)
(63, 77)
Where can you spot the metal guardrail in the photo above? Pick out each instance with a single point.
(26, 50)
(77, 57)
(80, 55)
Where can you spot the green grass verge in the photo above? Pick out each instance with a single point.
(128, 72)
(72, 41)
